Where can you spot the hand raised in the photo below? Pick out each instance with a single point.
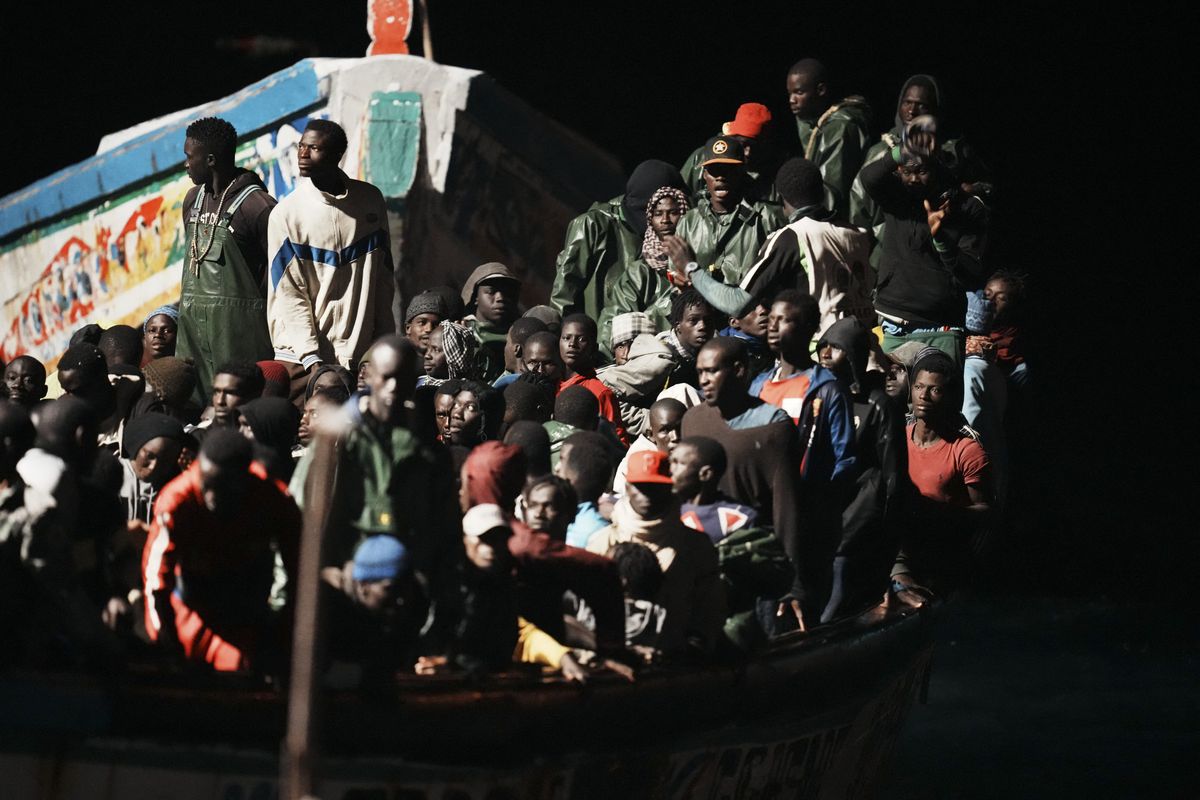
(935, 216)
(920, 137)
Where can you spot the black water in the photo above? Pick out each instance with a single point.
(1057, 698)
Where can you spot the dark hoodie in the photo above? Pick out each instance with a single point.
(923, 278)
(646, 179)
(869, 521)
(274, 422)
(956, 156)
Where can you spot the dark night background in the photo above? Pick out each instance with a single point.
(1071, 108)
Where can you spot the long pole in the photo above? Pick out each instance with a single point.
(303, 723)
(426, 33)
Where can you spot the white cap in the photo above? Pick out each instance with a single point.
(482, 518)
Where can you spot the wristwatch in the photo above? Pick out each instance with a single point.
(690, 267)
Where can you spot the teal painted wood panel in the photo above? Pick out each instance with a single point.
(393, 141)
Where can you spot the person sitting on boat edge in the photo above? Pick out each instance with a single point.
(544, 567)
(691, 592)
(374, 613)
(391, 482)
(950, 470)
(208, 563)
(641, 580)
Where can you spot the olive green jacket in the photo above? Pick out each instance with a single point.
(838, 149)
(387, 482)
(640, 287)
(489, 355)
(599, 243)
(729, 242)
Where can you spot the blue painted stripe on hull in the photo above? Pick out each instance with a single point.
(157, 152)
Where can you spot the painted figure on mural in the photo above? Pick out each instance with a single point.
(223, 298)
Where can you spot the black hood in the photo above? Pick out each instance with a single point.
(854, 338)
(931, 83)
(646, 179)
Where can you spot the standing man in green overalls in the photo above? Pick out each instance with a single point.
(223, 299)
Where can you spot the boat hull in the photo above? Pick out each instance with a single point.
(816, 716)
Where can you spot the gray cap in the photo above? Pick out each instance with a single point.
(426, 303)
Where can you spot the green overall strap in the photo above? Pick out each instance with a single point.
(227, 217)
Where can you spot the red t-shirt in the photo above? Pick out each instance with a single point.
(788, 393)
(604, 397)
(944, 470)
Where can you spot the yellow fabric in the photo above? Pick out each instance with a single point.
(535, 646)
(54, 389)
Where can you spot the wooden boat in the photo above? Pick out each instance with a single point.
(815, 715)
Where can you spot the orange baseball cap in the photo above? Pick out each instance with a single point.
(749, 121)
(649, 466)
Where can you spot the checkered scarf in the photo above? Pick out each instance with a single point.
(460, 344)
(652, 249)
(630, 325)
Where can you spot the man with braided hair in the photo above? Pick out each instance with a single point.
(834, 136)
(223, 297)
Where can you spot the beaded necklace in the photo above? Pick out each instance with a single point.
(197, 257)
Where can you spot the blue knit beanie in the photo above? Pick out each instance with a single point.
(379, 558)
(170, 311)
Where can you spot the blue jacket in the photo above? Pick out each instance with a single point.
(825, 428)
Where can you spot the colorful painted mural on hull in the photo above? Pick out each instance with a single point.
(113, 264)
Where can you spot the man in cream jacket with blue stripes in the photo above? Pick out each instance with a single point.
(331, 273)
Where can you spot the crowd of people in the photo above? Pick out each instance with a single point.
(766, 393)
